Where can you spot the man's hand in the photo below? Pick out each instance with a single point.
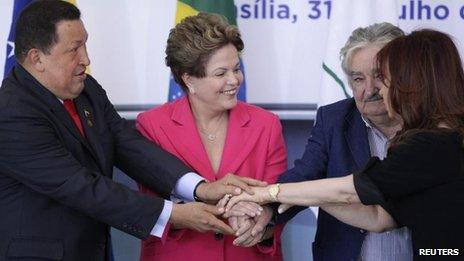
(233, 222)
(200, 217)
(262, 220)
(255, 233)
(229, 184)
(244, 236)
(244, 224)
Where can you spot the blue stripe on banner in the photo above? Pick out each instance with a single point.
(175, 91)
(241, 96)
(10, 59)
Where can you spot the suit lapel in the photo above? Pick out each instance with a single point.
(66, 119)
(240, 141)
(50, 100)
(60, 111)
(184, 136)
(85, 112)
(356, 138)
(56, 107)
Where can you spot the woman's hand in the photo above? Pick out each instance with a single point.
(211, 192)
(243, 208)
(260, 195)
(250, 209)
(283, 207)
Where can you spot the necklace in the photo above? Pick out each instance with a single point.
(211, 136)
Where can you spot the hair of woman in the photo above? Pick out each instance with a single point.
(425, 81)
(194, 40)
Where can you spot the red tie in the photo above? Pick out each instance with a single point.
(71, 108)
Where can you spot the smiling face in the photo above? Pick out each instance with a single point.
(366, 82)
(218, 90)
(62, 70)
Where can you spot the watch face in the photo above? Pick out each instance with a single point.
(274, 190)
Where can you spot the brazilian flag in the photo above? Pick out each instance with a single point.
(192, 7)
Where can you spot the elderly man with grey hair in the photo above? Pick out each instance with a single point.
(345, 135)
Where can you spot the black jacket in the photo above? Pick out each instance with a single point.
(56, 192)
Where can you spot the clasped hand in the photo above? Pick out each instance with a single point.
(202, 217)
(259, 195)
(248, 220)
(230, 184)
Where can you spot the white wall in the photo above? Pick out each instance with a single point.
(282, 56)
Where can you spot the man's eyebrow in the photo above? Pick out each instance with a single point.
(352, 73)
(79, 42)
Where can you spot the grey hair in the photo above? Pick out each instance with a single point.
(380, 33)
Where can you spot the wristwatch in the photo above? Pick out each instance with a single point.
(195, 197)
(274, 191)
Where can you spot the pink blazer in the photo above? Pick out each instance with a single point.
(254, 147)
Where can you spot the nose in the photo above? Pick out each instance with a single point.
(85, 60)
(372, 86)
(233, 79)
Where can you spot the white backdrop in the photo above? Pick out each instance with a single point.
(283, 53)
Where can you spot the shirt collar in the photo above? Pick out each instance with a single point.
(372, 127)
(367, 122)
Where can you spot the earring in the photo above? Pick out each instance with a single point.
(191, 90)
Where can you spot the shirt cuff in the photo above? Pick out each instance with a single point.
(185, 186)
(162, 221)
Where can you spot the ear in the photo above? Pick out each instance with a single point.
(34, 58)
(188, 80)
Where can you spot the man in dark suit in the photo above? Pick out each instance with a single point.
(59, 140)
(342, 140)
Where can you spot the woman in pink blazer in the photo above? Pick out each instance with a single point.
(214, 134)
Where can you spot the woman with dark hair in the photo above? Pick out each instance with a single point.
(420, 184)
(215, 134)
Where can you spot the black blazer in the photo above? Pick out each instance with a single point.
(56, 192)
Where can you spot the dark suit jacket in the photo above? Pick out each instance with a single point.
(56, 192)
(338, 146)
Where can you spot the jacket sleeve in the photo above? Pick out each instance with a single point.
(139, 158)
(32, 153)
(312, 165)
(144, 127)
